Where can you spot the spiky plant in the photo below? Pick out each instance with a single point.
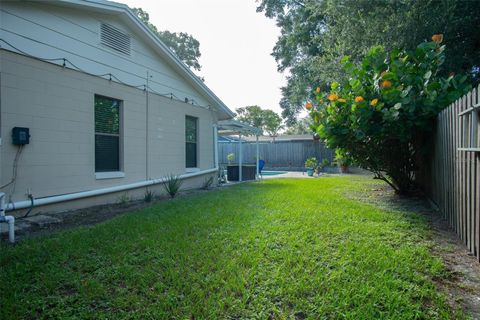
(172, 185)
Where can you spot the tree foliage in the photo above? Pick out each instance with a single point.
(316, 34)
(302, 126)
(264, 119)
(272, 123)
(185, 46)
(252, 115)
(382, 114)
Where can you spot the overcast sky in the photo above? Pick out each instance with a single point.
(235, 42)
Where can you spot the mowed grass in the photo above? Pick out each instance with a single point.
(278, 249)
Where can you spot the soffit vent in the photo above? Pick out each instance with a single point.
(115, 39)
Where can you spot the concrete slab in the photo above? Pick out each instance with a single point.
(291, 174)
(41, 220)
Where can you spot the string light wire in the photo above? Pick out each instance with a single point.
(110, 76)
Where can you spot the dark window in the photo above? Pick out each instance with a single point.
(107, 134)
(191, 141)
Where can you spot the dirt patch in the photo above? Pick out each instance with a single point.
(30, 227)
(462, 287)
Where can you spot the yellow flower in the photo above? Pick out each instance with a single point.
(374, 102)
(386, 84)
(358, 99)
(333, 97)
(342, 100)
(317, 90)
(308, 105)
(438, 38)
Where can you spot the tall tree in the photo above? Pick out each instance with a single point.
(264, 119)
(185, 46)
(272, 123)
(253, 115)
(315, 35)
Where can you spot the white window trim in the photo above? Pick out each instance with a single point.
(109, 175)
(194, 169)
(114, 174)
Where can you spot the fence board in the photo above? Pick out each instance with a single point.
(285, 155)
(452, 179)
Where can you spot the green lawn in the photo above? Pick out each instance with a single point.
(279, 249)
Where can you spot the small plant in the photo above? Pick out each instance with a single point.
(321, 166)
(311, 163)
(124, 199)
(148, 196)
(207, 183)
(325, 163)
(343, 160)
(172, 185)
(230, 157)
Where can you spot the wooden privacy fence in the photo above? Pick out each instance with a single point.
(453, 178)
(280, 155)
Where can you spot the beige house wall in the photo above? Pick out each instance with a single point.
(57, 104)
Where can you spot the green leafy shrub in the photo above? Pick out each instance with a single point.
(325, 163)
(230, 157)
(311, 163)
(383, 115)
(342, 158)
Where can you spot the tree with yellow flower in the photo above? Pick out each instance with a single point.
(382, 115)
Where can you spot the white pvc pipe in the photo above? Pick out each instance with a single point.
(8, 219)
(97, 192)
(11, 228)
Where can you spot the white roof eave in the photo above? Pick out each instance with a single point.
(231, 127)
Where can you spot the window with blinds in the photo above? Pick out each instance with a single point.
(191, 142)
(107, 134)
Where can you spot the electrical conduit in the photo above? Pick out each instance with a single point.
(85, 194)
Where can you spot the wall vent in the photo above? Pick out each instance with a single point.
(115, 39)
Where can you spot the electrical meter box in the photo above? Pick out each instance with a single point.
(20, 136)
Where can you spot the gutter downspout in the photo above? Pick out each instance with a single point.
(8, 219)
(85, 194)
(215, 142)
(147, 173)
